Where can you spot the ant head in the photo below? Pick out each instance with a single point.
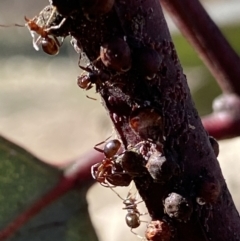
(31, 24)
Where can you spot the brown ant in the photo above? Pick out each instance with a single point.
(40, 31)
(109, 171)
(50, 43)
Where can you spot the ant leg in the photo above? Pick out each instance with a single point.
(105, 184)
(141, 214)
(36, 42)
(136, 198)
(142, 221)
(57, 26)
(44, 11)
(139, 144)
(89, 87)
(57, 41)
(96, 174)
(134, 205)
(87, 69)
(94, 62)
(129, 191)
(117, 194)
(139, 202)
(138, 235)
(102, 142)
(54, 9)
(93, 172)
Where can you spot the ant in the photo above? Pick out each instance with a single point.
(132, 217)
(109, 170)
(50, 43)
(91, 75)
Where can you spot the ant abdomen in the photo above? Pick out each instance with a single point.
(132, 219)
(50, 46)
(111, 148)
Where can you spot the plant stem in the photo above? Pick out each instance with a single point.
(130, 94)
(200, 30)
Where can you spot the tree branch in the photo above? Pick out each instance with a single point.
(196, 25)
(153, 109)
(224, 122)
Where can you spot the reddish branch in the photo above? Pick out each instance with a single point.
(200, 30)
(223, 62)
(224, 122)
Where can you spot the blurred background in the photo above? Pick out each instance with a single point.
(43, 110)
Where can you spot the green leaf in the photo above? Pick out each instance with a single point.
(24, 179)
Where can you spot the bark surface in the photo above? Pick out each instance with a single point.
(132, 97)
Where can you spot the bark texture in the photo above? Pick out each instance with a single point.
(154, 110)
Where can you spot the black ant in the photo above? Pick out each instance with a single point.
(50, 43)
(91, 75)
(132, 217)
(110, 171)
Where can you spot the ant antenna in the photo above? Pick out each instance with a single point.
(117, 193)
(12, 25)
(91, 98)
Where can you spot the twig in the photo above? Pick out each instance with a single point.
(196, 25)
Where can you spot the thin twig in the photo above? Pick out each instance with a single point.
(200, 30)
